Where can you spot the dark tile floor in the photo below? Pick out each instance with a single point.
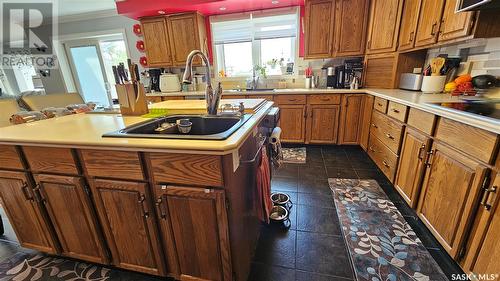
(313, 248)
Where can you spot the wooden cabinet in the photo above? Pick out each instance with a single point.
(411, 165)
(70, 210)
(319, 29)
(409, 22)
(198, 222)
(186, 33)
(292, 122)
(24, 212)
(383, 28)
(455, 25)
(126, 214)
(156, 41)
(428, 22)
(350, 119)
(322, 123)
(351, 17)
(452, 183)
(366, 118)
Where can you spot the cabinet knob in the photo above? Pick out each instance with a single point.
(486, 196)
(389, 136)
(395, 110)
(385, 164)
(141, 200)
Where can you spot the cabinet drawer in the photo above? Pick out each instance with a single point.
(9, 158)
(112, 164)
(290, 99)
(421, 120)
(266, 97)
(397, 111)
(323, 99)
(383, 157)
(50, 160)
(190, 169)
(387, 130)
(470, 140)
(380, 104)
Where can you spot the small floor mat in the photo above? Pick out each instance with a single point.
(294, 155)
(381, 243)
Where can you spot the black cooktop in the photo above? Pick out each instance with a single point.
(487, 108)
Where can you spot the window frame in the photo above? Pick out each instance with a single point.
(256, 46)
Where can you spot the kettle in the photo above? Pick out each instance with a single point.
(169, 83)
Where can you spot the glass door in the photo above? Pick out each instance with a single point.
(88, 71)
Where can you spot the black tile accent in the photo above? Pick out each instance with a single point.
(318, 219)
(284, 184)
(321, 253)
(276, 247)
(448, 266)
(341, 173)
(287, 170)
(310, 276)
(317, 186)
(262, 272)
(310, 199)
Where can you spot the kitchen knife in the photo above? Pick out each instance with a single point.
(115, 74)
(137, 74)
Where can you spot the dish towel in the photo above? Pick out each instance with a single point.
(264, 202)
(277, 152)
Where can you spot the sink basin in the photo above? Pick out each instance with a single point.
(203, 128)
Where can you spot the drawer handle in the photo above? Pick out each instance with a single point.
(292, 100)
(389, 136)
(371, 149)
(158, 204)
(379, 104)
(325, 99)
(141, 200)
(25, 191)
(374, 126)
(395, 110)
(486, 196)
(385, 164)
(420, 150)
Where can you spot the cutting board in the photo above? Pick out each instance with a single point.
(200, 106)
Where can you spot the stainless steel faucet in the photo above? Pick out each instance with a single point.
(212, 97)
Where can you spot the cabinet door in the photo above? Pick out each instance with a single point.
(428, 22)
(199, 225)
(451, 188)
(184, 30)
(366, 119)
(350, 119)
(156, 42)
(484, 257)
(455, 25)
(383, 29)
(322, 123)
(124, 210)
(350, 27)
(292, 123)
(69, 209)
(409, 22)
(412, 165)
(24, 212)
(319, 20)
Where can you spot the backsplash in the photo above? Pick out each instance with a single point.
(481, 55)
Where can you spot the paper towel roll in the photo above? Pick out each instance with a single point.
(275, 135)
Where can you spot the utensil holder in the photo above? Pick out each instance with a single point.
(433, 84)
(308, 82)
(132, 103)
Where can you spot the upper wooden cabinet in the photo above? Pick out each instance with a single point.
(383, 28)
(429, 22)
(350, 119)
(169, 39)
(455, 25)
(24, 212)
(156, 41)
(409, 22)
(319, 28)
(351, 18)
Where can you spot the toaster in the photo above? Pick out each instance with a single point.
(169, 83)
(410, 81)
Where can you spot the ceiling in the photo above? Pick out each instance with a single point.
(75, 7)
(140, 8)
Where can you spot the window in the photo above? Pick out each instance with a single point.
(266, 38)
(24, 75)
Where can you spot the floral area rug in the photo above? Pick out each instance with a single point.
(32, 267)
(383, 247)
(294, 155)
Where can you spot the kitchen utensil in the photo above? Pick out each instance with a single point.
(115, 74)
(436, 65)
(169, 83)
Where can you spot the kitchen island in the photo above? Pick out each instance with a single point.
(166, 207)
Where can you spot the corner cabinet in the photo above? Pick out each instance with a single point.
(453, 183)
(156, 41)
(383, 28)
(319, 29)
(196, 218)
(131, 232)
(24, 212)
(351, 119)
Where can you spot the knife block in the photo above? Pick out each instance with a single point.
(130, 103)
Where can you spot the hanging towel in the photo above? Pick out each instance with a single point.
(264, 202)
(277, 152)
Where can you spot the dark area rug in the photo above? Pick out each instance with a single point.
(381, 243)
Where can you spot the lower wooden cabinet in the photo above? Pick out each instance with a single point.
(24, 213)
(131, 232)
(197, 219)
(412, 165)
(322, 123)
(70, 211)
(350, 119)
(293, 122)
(450, 190)
(366, 117)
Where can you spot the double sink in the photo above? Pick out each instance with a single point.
(203, 127)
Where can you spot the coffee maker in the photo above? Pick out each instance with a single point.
(353, 68)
